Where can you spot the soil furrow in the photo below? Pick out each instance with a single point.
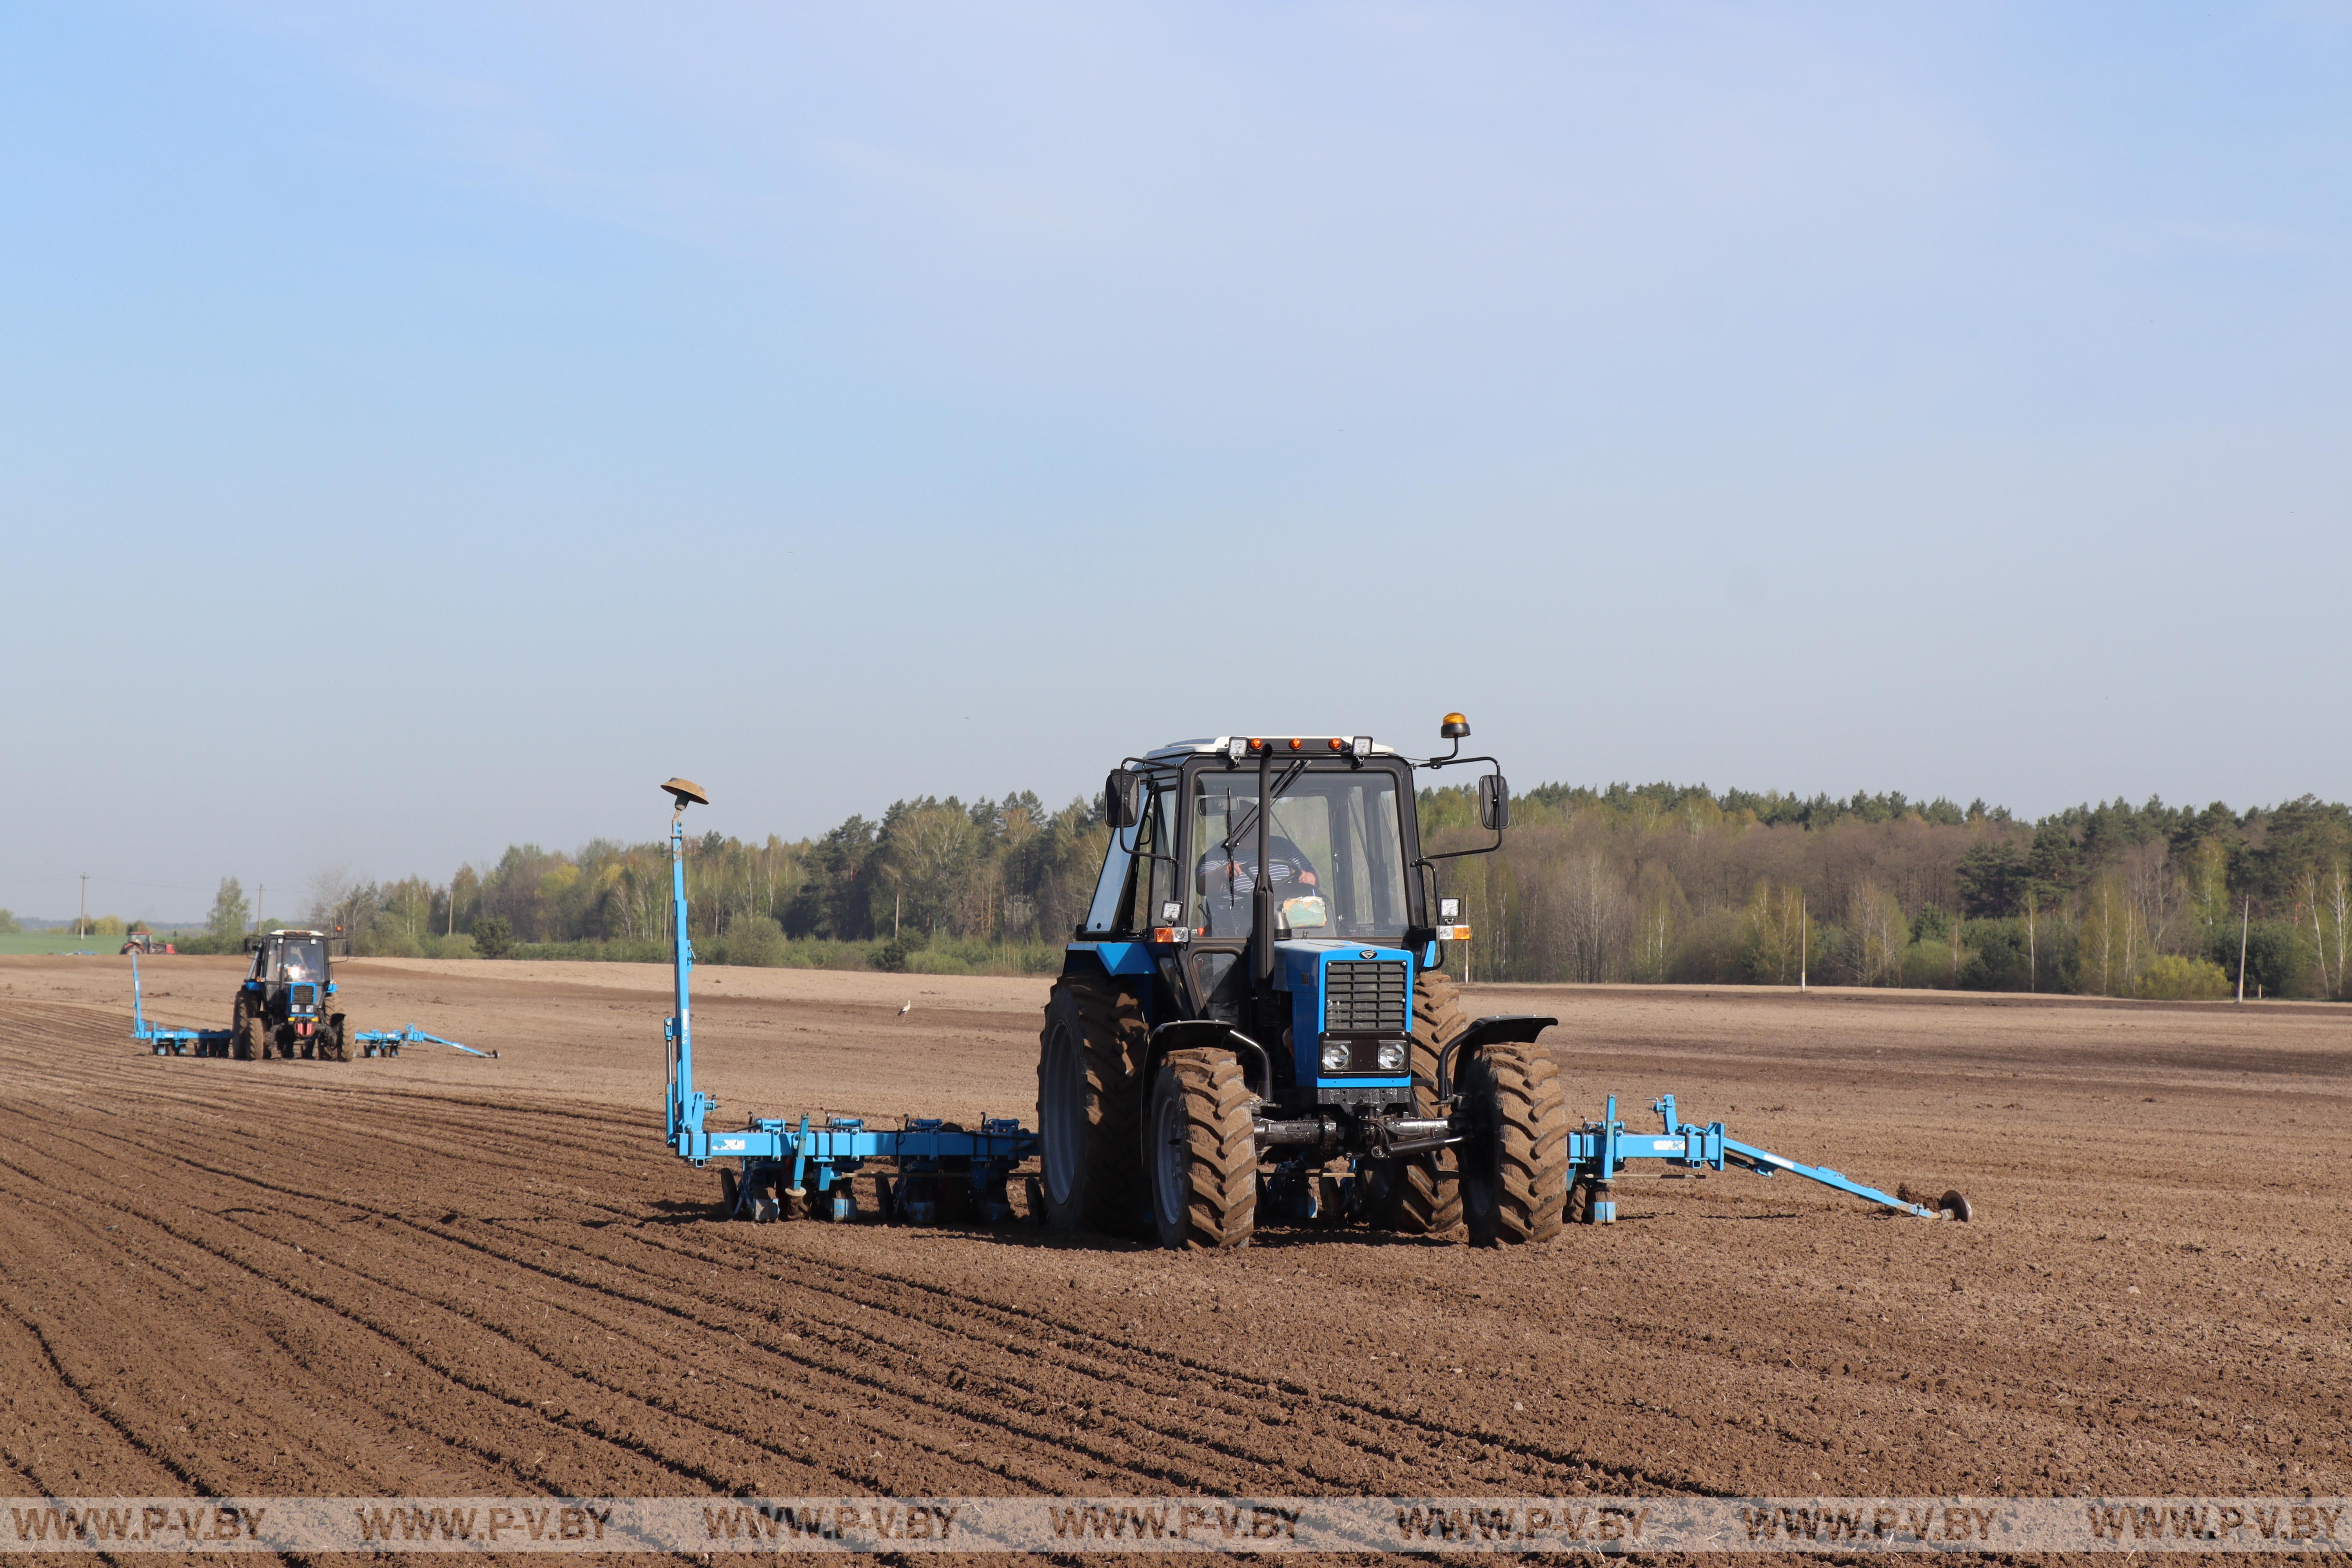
(400, 1265)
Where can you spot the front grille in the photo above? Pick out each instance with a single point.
(1367, 996)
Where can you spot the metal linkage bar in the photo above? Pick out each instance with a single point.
(387, 1042)
(1601, 1150)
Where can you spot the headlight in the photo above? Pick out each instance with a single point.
(1335, 1055)
(1392, 1057)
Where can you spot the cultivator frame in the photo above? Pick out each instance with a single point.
(939, 1168)
(162, 1039)
(1600, 1150)
(387, 1042)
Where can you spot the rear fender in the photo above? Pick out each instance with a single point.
(1108, 958)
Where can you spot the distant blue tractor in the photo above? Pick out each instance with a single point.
(1252, 1016)
(281, 1007)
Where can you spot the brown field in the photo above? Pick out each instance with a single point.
(436, 1276)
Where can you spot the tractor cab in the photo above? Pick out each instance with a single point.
(290, 957)
(1181, 883)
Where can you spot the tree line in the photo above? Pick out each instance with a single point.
(1664, 883)
(1633, 883)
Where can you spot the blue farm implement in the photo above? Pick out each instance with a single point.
(166, 1041)
(253, 1034)
(1382, 1104)
(931, 1169)
(387, 1042)
(1602, 1151)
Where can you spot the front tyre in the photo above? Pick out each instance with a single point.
(1089, 1107)
(1515, 1164)
(1419, 1194)
(1200, 1151)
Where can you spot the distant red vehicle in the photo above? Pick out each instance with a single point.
(147, 942)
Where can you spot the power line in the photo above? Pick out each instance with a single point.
(94, 877)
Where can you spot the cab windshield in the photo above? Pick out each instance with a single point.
(1335, 859)
(302, 961)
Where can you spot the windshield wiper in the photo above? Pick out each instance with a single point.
(1249, 817)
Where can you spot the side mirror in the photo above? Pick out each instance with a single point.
(1123, 799)
(1494, 803)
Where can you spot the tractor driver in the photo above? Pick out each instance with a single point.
(1226, 877)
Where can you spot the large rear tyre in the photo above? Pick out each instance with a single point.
(1419, 1194)
(252, 1037)
(1201, 1152)
(335, 1044)
(1514, 1165)
(1089, 1107)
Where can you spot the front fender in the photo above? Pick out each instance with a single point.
(1208, 1034)
(1495, 1030)
(1503, 1029)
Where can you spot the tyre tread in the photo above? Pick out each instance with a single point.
(1426, 1197)
(1530, 1144)
(1112, 1035)
(1220, 1205)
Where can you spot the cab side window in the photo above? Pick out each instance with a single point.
(1137, 908)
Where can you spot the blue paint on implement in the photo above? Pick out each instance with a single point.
(1599, 1150)
(802, 1168)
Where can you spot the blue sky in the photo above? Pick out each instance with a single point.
(427, 426)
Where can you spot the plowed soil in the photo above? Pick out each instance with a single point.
(438, 1275)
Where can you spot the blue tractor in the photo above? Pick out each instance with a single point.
(1253, 1020)
(281, 1007)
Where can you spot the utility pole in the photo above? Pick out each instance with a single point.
(2245, 925)
(81, 924)
(1804, 940)
(260, 905)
